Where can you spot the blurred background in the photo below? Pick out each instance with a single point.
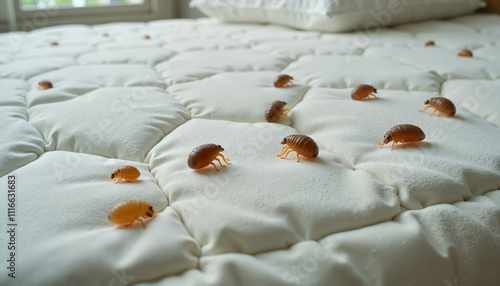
(26, 15)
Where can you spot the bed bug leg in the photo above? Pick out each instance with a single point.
(283, 151)
(284, 117)
(225, 159)
(215, 167)
(220, 163)
(287, 153)
(424, 109)
(434, 112)
(376, 97)
(298, 159)
(392, 149)
(143, 225)
(285, 148)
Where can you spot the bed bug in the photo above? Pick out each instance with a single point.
(465, 53)
(203, 155)
(403, 133)
(45, 84)
(147, 37)
(363, 91)
(283, 80)
(127, 173)
(54, 44)
(441, 104)
(275, 111)
(430, 44)
(127, 212)
(302, 144)
(105, 35)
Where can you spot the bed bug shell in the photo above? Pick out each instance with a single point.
(45, 84)
(275, 111)
(203, 156)
(302, 144)
(283, 80)
(430, 44)
(403, 133)
(465, 53)
(127, 212)
(127, 173)
(441, 105)
(363, 91)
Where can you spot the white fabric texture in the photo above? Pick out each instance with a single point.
(322, 7)
(334, 15)
(357, 214)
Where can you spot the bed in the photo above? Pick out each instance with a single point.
(147, 94)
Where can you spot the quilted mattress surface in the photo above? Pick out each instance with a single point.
(355, 215)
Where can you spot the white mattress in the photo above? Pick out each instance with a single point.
(355, 215)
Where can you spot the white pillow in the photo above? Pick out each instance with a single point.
(334, 15)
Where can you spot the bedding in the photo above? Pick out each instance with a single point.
(357, 214)
(334, 15)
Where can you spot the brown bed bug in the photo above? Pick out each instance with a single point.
(430, 44)
(283, 80)
(441, 104)
(147, 37)
(302, 144)
(203, 156)
(465, 53)
(127, 173)
(127, 212)
(105, 35)
(45, 84)
(403, 133)
(276, 110)
(54, 44)
(363, 91)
